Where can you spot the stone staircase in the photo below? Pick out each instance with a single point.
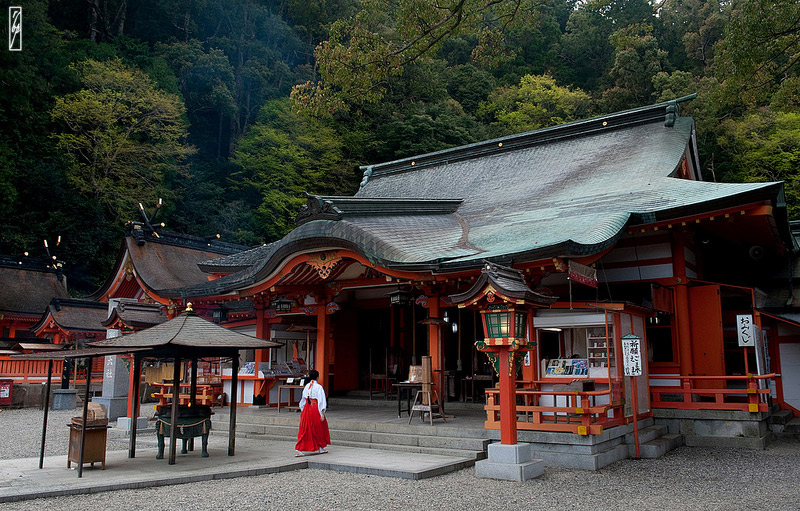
(784, 425)
(594, 452)
(446, 441)
(654, 441)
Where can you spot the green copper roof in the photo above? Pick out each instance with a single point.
(563, 191)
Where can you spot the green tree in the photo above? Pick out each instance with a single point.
(537, 102)
(283, 156)
(123, 134)
(637, 59)
(760, 55)
(366, 53)
(764, 146)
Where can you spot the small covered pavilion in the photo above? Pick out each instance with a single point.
(185, 337)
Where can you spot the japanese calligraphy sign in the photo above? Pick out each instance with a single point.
(745, 330)
(632, 355)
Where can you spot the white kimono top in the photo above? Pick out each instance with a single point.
(314, 391)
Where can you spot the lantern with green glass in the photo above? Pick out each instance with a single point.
(503, 324)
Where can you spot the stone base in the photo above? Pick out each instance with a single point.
(124, 423)
(510, 462)
(64, 399)
(115, 407)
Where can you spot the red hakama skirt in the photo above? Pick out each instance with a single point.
(313, 433)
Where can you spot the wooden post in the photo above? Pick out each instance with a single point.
(46, 409)
(435, 344)
(323, 357)
(90, 360)
(234, 399)
(133, 404)
(682, 303)
(508, 399)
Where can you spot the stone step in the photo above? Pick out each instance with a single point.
(594, 461)
(289, 432)
(647, 434)
(222, 420)
(792, 427)
(657, 447)
(442, 451)
(781, 417)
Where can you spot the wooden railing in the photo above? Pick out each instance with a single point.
(580, 413)
(28, 371)
(751, 396)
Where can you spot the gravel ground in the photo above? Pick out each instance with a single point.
(686, 478)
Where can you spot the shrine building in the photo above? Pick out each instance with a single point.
(606, 230)
(578, 278)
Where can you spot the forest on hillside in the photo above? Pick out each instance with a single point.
(230, 109)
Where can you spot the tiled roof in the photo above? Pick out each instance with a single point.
(564, 191)
(75, 315)
(169, 260)
(24, 290)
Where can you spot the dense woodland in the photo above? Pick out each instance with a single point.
(231, 109)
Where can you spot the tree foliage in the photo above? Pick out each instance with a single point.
(124, 135)
(370, 81)
(537, 102)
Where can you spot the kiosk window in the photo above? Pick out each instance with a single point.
(549, 344)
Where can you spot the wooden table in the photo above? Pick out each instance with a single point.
(291, 388)
(409, 388)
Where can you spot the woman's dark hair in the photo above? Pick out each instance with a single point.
(313, 374)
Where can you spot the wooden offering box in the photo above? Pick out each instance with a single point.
(95, 444)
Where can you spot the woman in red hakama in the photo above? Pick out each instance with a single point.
(313, 435)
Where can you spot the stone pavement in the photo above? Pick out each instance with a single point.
(21, 479)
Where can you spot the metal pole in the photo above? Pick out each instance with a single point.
(234, 398)
(90, 360)
(46, 409)
(176, 399)
(635, 413)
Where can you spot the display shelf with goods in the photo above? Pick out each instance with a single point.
(600, 352)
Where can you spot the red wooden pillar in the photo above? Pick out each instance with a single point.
(508, 399)
(435, 344)
(682, 319)
(323, 351)
(262, 332)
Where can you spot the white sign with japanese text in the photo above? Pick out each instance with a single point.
(745, 330)
(632, 355)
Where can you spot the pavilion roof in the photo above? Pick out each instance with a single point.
(186, 331)
(565, 191)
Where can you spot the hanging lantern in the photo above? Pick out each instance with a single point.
(399, 297)
(283, 304)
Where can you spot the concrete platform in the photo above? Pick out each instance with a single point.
(21, 479)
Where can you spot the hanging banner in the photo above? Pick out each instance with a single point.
(632, 355)
(583, 274)
(745, 330)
